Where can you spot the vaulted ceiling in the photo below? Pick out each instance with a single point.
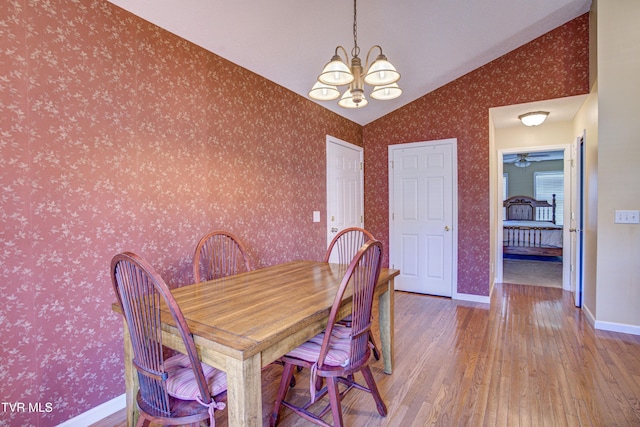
(431, 42)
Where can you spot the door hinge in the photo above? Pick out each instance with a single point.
(391, 164)
(361, 219)
(361, 165)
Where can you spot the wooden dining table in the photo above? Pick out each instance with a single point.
(242, 323)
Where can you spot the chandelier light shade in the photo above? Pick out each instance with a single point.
(336, 73)
(380, 74)
(534, 118)
(324, 92)
(522, 163)
(384, 93)
(347, 100)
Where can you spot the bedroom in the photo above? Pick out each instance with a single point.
(533, 218)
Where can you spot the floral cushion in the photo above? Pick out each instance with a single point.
(182, 384)
(339, 347)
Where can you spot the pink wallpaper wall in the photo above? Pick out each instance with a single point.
(553, 66)
(116, 135)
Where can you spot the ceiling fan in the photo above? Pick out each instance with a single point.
(523, 160)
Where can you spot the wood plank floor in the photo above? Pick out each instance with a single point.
(528, 359)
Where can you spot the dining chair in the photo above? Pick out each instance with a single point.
(340, 351)
(341, 250)
(219, 254)
(345, 244)
(173, 390)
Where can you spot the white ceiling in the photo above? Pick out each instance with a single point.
(560, 110)
(431, 42)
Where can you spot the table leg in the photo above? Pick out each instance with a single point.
(244, 392)
(130, 379)
(386, 314)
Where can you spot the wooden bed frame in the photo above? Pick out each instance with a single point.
(527, 240)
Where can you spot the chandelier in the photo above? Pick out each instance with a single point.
(380, 74)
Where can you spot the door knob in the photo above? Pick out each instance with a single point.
(334, 230)
(446, 228)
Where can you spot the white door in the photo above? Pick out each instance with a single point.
(345, 199)
(423, 220)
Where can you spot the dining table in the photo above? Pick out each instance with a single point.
(242, 323)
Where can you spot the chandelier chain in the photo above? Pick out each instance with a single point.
(356, 50)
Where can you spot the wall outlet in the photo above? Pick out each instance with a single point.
(627, 217)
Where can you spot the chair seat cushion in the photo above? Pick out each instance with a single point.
(339, 347)
(182, 383)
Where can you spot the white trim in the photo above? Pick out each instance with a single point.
(473, 298)
(590, 317)
(97, 413)
(617, 327)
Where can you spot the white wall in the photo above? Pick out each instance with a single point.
(618, 90)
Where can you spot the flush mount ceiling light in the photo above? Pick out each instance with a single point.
(380, 74)
(534, 118)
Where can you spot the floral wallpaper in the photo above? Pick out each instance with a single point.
(555, 65)
(117, 135)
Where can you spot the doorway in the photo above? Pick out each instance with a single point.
(538, 173)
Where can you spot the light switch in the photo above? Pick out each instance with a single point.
(316, 216)
(627, 217)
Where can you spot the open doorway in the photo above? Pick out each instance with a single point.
(533, 218)
(510, 138)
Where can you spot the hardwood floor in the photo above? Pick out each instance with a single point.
(528, 359)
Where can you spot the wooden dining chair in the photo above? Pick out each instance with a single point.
(176, 390)
(340, 351)
(341, 250)
(219, 254)
(345, 244)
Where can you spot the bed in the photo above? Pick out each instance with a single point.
(530, 227)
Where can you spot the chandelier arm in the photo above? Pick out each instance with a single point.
(346, 55)
(366, 63)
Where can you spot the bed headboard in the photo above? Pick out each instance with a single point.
(525, 208)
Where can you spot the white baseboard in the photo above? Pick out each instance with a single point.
(590, 317)
(473, 298)
(617, 327)
(98, 413)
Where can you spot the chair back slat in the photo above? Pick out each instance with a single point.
(346, 244)
(219, 254)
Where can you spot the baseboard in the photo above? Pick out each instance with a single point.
(98, 413)
(617, 327)
(590, 317)
(473, 298)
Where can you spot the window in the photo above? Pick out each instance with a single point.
(546, 184)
